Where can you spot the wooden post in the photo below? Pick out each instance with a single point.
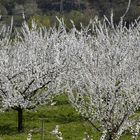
(42, 128)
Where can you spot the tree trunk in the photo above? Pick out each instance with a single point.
(79, 4)
(61, 6)
(108, 137)
(20, 119)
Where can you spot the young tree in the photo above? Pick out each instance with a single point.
(103, 83)
(30, 71)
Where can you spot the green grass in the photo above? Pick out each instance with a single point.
(71, 124)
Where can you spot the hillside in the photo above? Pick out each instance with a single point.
(78, 10)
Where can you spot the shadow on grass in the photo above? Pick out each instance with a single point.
(8, 129)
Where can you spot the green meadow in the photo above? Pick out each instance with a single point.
(72, 125)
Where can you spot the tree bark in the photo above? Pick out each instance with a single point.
(20, 119)
(108, 137)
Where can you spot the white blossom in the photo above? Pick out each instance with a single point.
(30, 70)
(57, 133)
(103, 76)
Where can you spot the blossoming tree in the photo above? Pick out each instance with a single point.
(104, 82)
(30, 71)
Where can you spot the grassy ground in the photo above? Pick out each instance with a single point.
(71, 124)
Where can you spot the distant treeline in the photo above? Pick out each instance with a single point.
(45, 11)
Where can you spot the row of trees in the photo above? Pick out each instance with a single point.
(97, 66)
(88, 8)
